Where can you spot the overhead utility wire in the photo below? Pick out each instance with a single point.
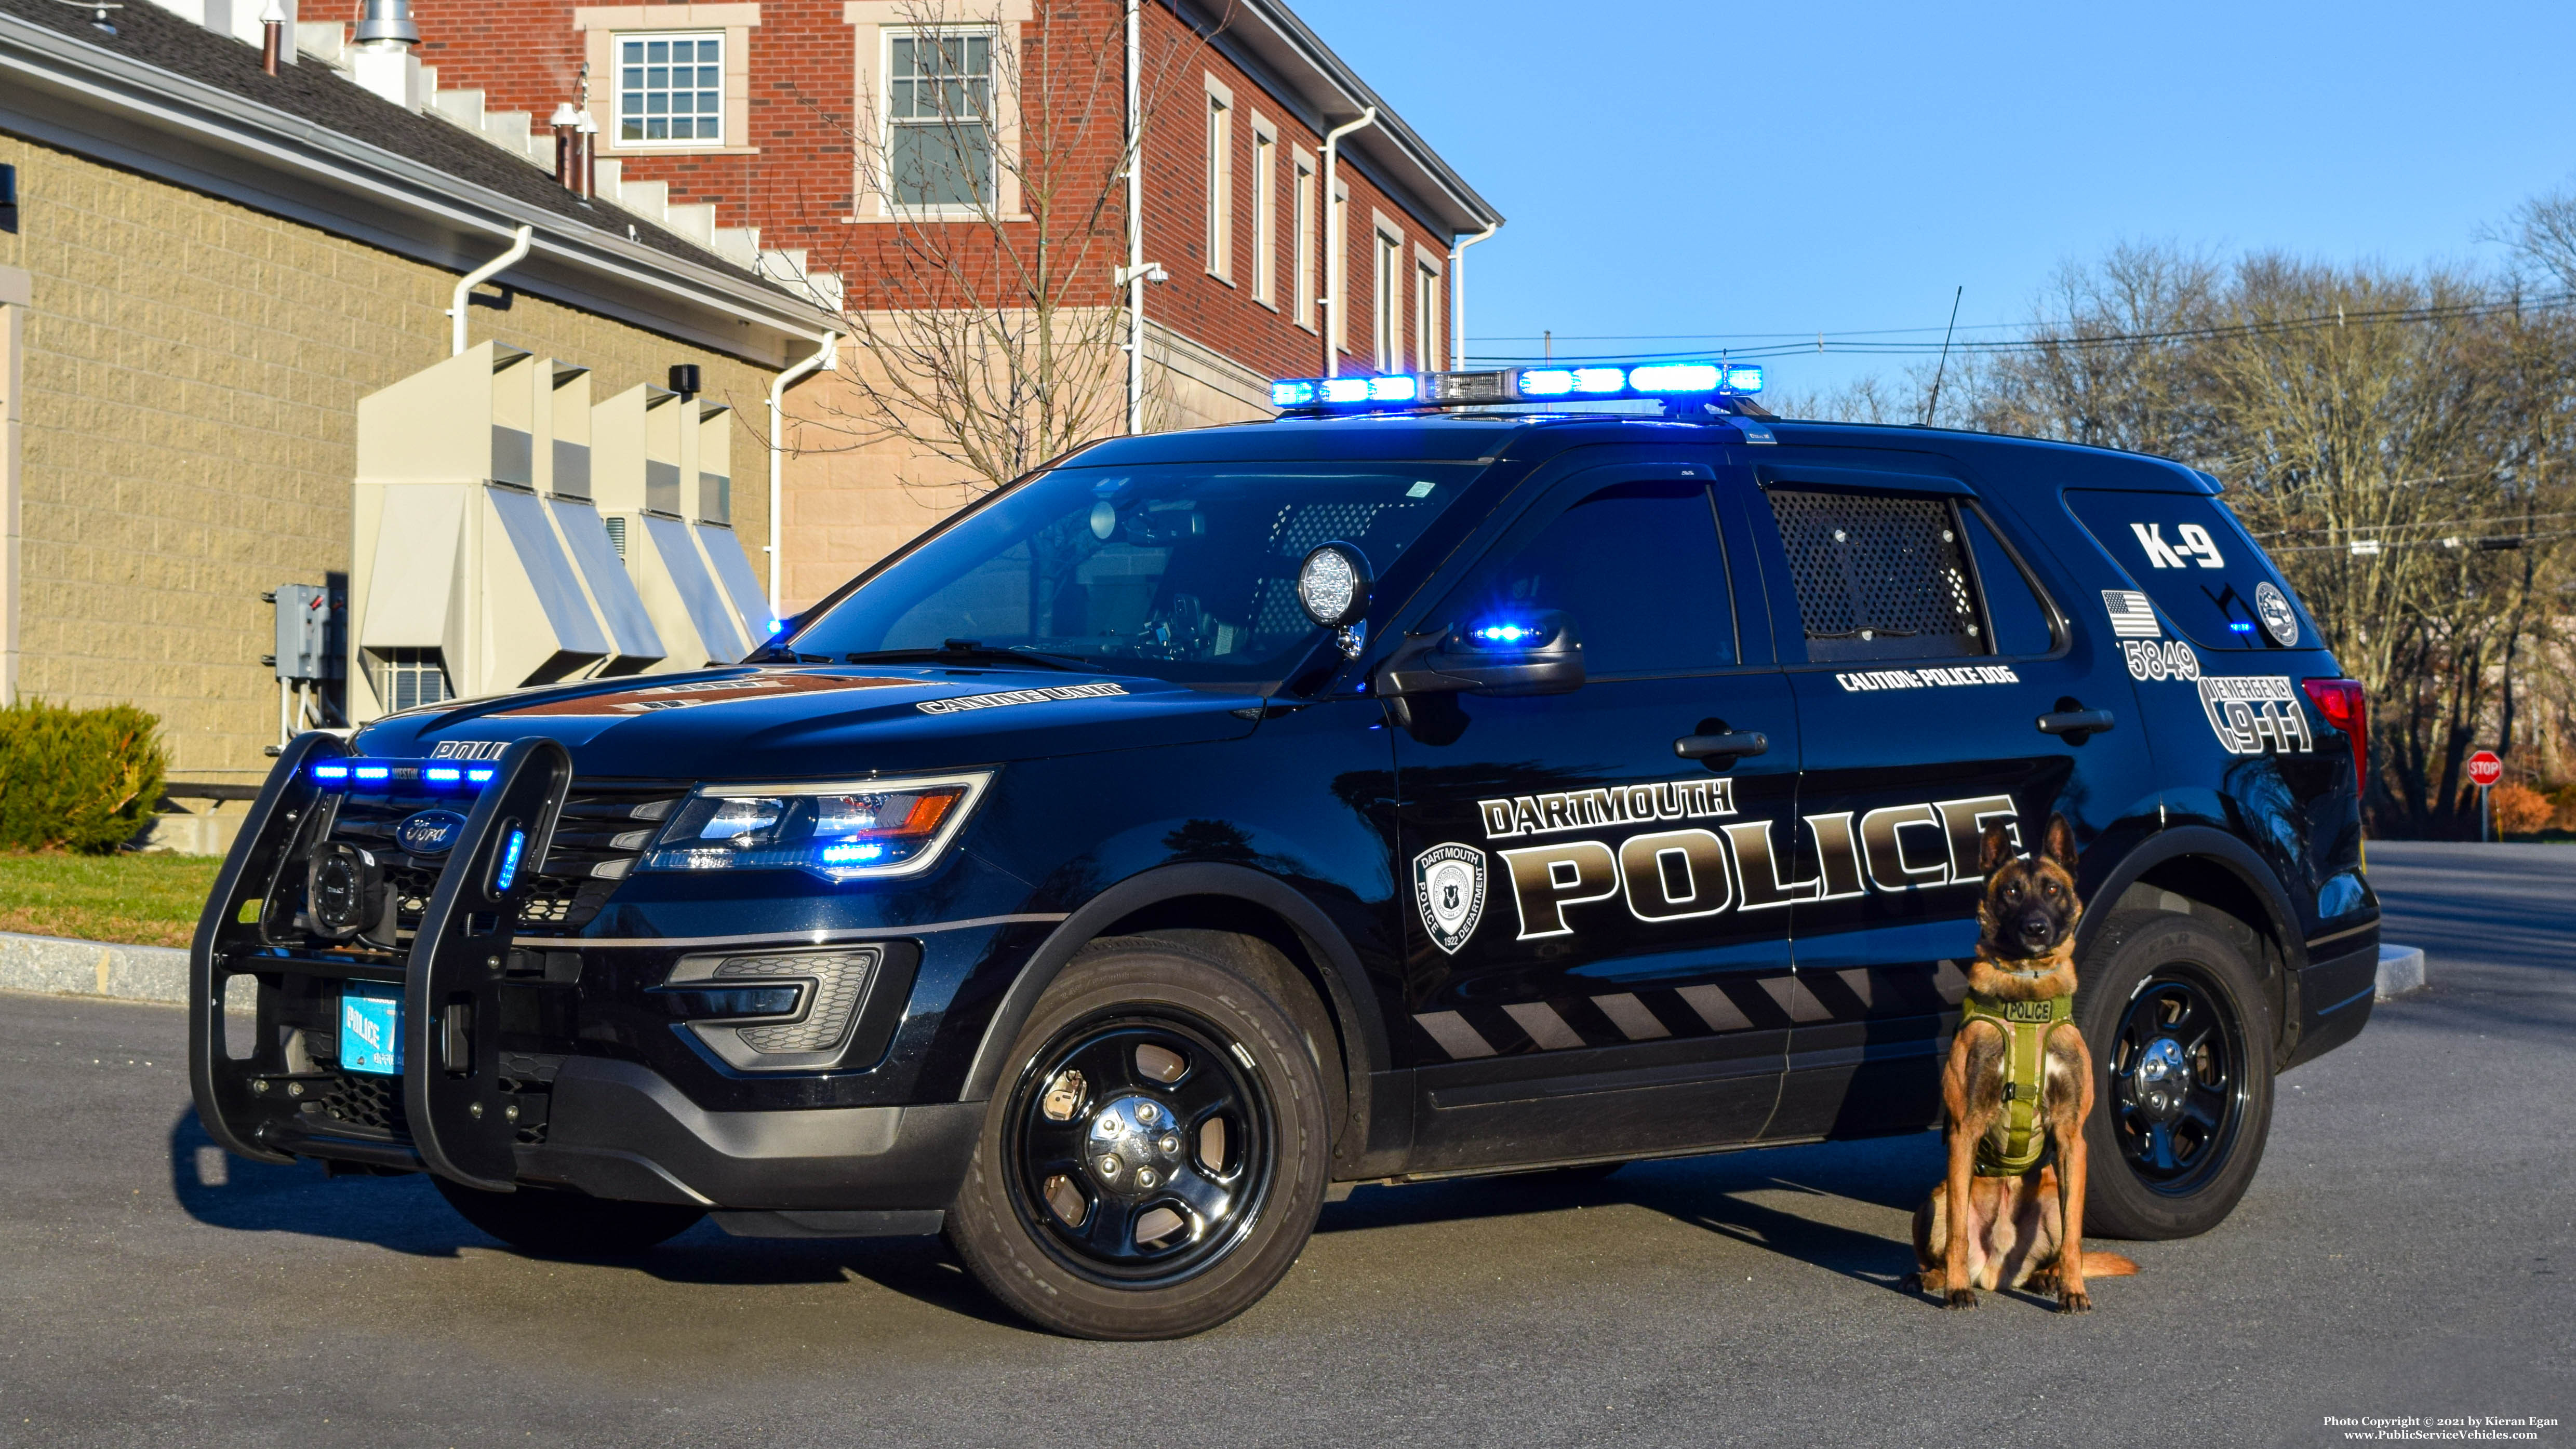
(2317, 321)
(2380, 528)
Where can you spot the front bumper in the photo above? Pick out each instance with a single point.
(619, 1130)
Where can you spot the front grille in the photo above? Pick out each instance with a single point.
(605, 825)
(374, 1103)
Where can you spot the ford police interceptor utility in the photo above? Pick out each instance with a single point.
(1424, 783)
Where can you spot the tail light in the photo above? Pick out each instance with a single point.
(2347, 707)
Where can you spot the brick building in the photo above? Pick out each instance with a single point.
(794, 133)
(203, 269)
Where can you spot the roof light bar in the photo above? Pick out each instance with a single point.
(1413, 391)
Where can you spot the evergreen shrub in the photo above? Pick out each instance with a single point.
(77, 779)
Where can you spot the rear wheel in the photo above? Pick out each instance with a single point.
(568, 1224)
(1156, 1159)
(2181, 1038)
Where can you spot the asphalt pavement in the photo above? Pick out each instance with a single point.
(2409, 1248)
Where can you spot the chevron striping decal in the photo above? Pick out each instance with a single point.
(1543, 1024)
(1631, 1016)
(1453, 1033)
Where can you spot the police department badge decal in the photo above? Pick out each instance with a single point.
(1449, 886)
(2279, 620)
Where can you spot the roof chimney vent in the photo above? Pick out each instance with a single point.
(382, 60)
(388, 20)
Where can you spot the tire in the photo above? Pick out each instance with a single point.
(1082, 1251)
(568, 1224)
(2181, 1033)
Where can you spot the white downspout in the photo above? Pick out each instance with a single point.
(825, 356)
(1135, 234)
(477, 277)
(1333, 258)
(1458, 295)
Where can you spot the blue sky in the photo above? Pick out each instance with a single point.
(1693, 168)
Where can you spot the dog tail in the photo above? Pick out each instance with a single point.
(2107, 1265)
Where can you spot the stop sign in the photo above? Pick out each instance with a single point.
(2485, 769)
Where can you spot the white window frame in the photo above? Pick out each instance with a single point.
(1219, 176)
(1429, 336)
(1265, 212)
(600, 27)
(619, 40)
(1302, 171)
(1337, 247)
(1386, 297)
(994, 121)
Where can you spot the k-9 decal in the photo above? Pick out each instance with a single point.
(2248, 713)
(1666, 876)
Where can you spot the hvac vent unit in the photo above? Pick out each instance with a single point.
(464, 578)
(690, 573)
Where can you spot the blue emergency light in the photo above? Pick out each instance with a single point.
(1589, 382)
(344, 773)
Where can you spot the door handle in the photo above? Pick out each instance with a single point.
(1733, 744)
(2078, 722)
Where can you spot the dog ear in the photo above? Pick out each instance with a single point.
(2060, 845)
(1995, 850)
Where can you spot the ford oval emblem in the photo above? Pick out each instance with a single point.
(430, 832)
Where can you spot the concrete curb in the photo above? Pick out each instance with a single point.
(61, 967)
(2401, 970)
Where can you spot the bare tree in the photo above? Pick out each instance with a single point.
(2397, 439)
(989, 170)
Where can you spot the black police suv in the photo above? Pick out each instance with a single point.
(1408, 787)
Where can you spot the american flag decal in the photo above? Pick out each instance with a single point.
(2132, 617)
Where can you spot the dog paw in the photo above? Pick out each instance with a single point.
(2043, 1285)
(1961, 1298)
(2075, 1303)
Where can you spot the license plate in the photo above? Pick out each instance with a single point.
(371, 1029)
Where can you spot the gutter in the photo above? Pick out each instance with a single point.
(824, 357)
(36, 61)
(1283, 37)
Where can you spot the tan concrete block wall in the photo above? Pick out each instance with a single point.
(192, 373)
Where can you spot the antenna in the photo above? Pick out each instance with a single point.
(1944, 365)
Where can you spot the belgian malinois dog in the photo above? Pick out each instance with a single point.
(2019, 1081)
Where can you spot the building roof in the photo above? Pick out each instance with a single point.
(1303, 69)
(168, 98)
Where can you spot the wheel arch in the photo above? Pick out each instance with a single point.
(1208, 896)
(2223, 876)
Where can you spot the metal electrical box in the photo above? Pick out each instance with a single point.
(312, 632)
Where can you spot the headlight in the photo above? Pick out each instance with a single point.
(841, 831)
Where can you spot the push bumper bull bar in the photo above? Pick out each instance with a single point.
(459, 1116)
(615, 1129)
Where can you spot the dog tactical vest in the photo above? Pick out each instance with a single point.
(2025, 1025)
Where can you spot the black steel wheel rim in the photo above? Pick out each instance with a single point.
(2177, 1077)
(1140, 1148)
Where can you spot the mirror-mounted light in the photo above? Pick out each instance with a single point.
(1533, 653)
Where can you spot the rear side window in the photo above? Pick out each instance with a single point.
(1880, 576)
(2205, 576)
(2013, 603)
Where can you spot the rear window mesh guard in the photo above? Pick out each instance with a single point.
(1880, 577)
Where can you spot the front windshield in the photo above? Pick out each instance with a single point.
(1183, 571)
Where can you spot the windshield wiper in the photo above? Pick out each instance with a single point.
(957, 651)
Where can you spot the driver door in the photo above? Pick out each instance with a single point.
(1598, 961)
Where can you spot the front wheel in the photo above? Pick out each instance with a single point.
(2182, 1058)
(1156, 1160)
(568, 1224)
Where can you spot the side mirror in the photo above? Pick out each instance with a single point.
(1538, 654)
